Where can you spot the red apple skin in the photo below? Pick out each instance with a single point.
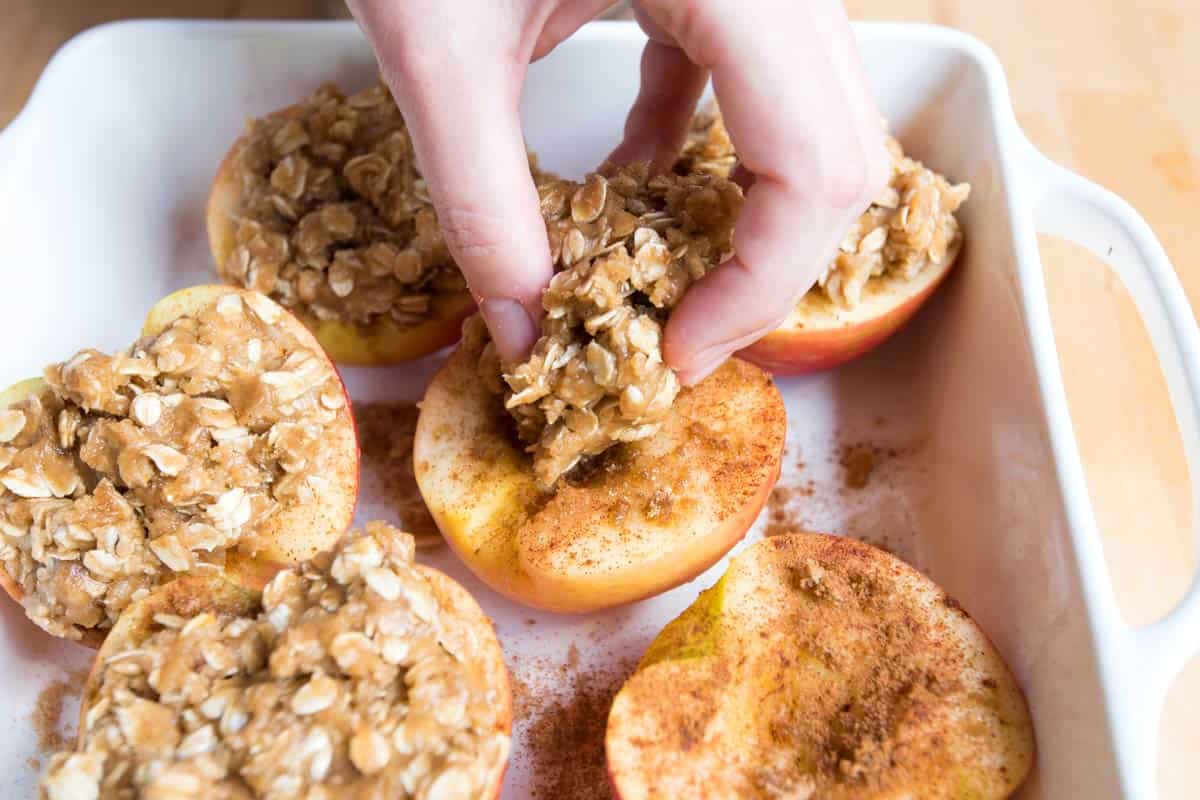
(795, 350)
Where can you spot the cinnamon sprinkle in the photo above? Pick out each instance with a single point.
(385, 437)
(858, 463)
(54, 733)
(563, 708)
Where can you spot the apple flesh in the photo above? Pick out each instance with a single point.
(296, 533)
(650, 516)
(378, 342)
(820, 666)
(819, 335)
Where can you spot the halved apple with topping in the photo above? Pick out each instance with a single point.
(820, 334)
(820, 666)
(643, 517)
(360, 673)
(320, 205)
(221, 440)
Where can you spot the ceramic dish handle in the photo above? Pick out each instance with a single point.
(1076, 209)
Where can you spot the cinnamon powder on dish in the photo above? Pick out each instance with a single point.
(385, 438)
(48, 725)
(563, 707)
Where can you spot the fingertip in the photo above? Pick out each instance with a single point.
(712, 322)
(513, 330)
(702, 368)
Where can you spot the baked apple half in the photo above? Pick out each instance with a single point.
(358, 674)
(820, 666)
(221, 440)
(820, 333)
(889, 262)
(643, 517)
(586, 476)
(320, 206)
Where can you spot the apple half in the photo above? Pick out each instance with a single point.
(649, 516)
(192, 595)
(818, 334)
(297, 532)
(380, 342)
(819, 666)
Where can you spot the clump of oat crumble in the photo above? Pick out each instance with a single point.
(358, 676)
(627, 245)
(708, 147)
(910, 227)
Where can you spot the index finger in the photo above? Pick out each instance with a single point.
(459, 96)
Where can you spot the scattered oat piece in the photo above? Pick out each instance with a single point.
(385, 437)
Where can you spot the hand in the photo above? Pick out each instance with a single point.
(795, 101)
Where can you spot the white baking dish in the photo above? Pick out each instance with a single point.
(102, 182)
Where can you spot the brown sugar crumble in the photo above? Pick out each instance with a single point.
(385, 438)
(628, 244)
(333, 218)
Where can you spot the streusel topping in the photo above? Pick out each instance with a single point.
(335, 221)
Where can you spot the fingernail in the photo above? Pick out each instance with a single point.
(512, 329)
(703, 365)
(707, 360)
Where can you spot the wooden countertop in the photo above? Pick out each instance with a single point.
(1107, 87)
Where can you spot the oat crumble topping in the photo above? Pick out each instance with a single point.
(627, 246)
(335, 221)
(160, 458)
(357, 677)
(910, 227)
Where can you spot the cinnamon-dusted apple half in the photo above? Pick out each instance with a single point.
(358, 674)
(584, 477)
(220, 440)
(889, 263)
(820, 667)
(320, 205)
(644, 517)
